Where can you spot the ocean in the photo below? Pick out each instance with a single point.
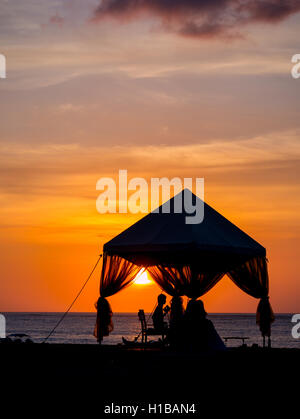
(78, 328)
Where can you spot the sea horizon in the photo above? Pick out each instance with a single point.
(78, 327)
(135, 312)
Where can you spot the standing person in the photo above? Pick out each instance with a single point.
(175, 334)
(104, 324)
(159, 313)
(200, 332)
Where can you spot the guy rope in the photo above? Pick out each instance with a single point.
(71, 305)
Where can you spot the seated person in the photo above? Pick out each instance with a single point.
(159, 314)
(200, 333)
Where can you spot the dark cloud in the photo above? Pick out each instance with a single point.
(270, 10)
(199, 18)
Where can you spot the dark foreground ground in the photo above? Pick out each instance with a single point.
(241, 382)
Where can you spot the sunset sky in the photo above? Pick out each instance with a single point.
(183, 88)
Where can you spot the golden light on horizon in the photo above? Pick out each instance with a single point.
(142, 278)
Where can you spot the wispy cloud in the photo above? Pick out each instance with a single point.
(65, 169)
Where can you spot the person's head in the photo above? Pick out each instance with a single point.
(176, 301)
(195, 309)
(176, 308)
(161, 299)
(177, 304)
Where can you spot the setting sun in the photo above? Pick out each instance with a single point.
(142, 278)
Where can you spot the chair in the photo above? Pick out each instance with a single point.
(148, 331)
(242, 338)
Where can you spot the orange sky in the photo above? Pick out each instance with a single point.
(52, 243)
(84, 99)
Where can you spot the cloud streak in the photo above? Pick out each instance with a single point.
(199, 18)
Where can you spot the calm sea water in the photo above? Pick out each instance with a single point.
(78, 327)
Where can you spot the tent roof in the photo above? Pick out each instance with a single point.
(166, 238)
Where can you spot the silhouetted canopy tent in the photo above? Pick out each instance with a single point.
(188, 259)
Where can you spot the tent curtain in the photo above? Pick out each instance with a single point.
(252, 277)
(265, 316)
(117, 273)
(184, 280)
(104, 324)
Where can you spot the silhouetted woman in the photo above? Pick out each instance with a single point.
(104, 324)
(175, 335)
(200, 332)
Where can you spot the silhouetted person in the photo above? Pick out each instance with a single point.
(159, 313)
(200, 332)
(175, 335)
(104, 324)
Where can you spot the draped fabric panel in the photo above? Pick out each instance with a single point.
(252, 277)
(184, 280)
(265, 316)
(117, 273)
(104, 324)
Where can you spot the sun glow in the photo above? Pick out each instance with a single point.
(142, 278)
